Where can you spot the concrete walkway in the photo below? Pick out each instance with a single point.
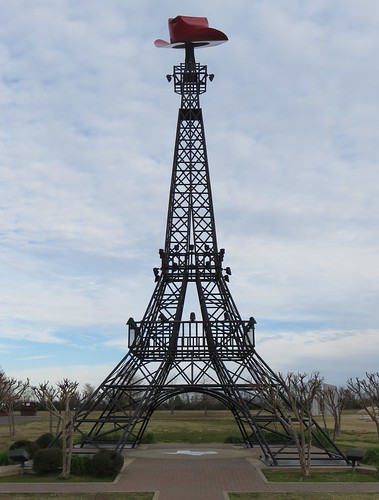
(190, 472)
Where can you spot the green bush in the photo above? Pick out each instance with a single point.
(148, 437)
(30, 446)
(4, 459)
(81, 438)
(47, 460)
(81, 464)
(233, 439)
(44, 440)
(111, 437)
(372, 457)
(106, 463)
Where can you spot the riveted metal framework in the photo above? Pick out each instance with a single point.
(213, 353)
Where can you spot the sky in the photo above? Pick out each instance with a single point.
(87, 129)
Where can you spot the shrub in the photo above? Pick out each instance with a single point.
(372, 457)
(30, 446)
(233, 439)
(106, 463)
(47, 460)
(111, 437)
(44, 440)
(81, 438)
(148, 437)
(81, 464)
(4, 459)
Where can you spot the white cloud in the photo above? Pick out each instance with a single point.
(87, 127)
(82, 373)
(336, 354)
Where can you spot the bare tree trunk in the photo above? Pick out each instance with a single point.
(294, 410)
(377, 424)
(320, 398)
(67, 437)
(59, 423)
(70, 443)
(13, 423)
(366, 393)
(11, 391)
(205, 400)
(172, 406)
(10, 426)
(65, 472)
(64, 396)
(337, 425)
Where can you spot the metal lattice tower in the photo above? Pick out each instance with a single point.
(212, 351)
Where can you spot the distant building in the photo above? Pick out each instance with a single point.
(28, 409)
(316, 406)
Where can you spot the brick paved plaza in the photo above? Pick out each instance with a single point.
(189, 472)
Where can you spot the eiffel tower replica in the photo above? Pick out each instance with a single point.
(212, 351)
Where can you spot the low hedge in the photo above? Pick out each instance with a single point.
(47, 460)
(4, 459)
(106, 463)
(81, 464)
(30, 446)
(44, 440)
(372, 457)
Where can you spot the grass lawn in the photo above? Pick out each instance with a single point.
(25, 429)
(194, 426)
(346, 476)
(358, 431)
(181, 427)
(303, 496)
(79, 496)
(52, 478)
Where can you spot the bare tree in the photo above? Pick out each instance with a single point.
(366, 393)
(291, 401)
(11, 392)
(205, 400)
(175, 402)
(87, 393)
(333, 400)
(59, 401)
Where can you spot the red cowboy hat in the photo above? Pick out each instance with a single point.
(196, 30)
